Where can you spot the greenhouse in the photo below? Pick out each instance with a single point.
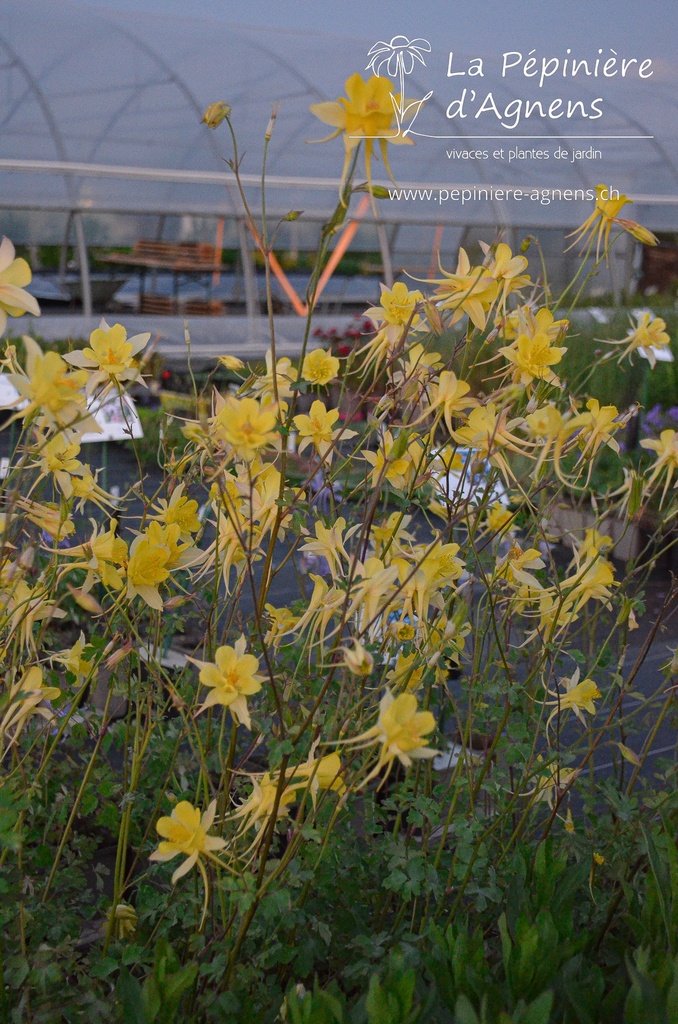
(338, 513)
(102, 146)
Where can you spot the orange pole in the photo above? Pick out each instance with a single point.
(342, 245)
(218, 251)
(345, 239)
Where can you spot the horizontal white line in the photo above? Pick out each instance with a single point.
(553, 138)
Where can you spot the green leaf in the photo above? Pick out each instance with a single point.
(128, 991)
(464, 1012)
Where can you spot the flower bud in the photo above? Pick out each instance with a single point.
(216, 113)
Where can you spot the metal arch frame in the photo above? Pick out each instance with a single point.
(180, 83)
(183, 87)
(76, 217)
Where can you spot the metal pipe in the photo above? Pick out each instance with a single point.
(85, 283)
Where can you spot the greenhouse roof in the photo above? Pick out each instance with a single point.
(101, 111)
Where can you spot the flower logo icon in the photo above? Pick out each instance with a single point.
(398, 58)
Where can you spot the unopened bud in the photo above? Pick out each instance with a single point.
(271, 123)
(216, 113)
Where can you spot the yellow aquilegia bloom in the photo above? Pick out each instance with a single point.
(469, 290)
(396, 313)
(25, 698)
(366, 113)
(397, 307)
(185, 833)
(110, 356)
(231, 679)
(609, 204)
(401, 732)
(575, 696)
(524, 320)
(179, 511)
(52, 389)
(104, 556)
(320, 367)
(506, 269)
(245, 426)
(148, 567)
(317, 429)
(15, 274)
(532, 357)
(649, 334)
(666, 449)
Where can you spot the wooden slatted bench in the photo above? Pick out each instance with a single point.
(177, 258)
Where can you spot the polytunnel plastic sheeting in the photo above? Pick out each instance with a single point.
(82, 86)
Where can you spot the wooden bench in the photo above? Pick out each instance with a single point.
(149, 255)
(176, 256)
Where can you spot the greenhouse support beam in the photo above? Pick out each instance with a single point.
(85, 283)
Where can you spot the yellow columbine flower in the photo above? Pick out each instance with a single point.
(180, 511)
(110, 356)
(245, 426)
(148, 567)
(394, 461)
(532, 358)
(185, 833)
(470, 290)
(649, 333)
(367, 112)
(513, 567)
(576, 696)
(401, 730)
(404, 670)
(25, 698)
(397, 307)
(320, 367)
(104, 556)
(552, 783)
(593, 544)
(453, 396)
(545, 423)
(316, 428)
(595, 427)
(592, 582)
(47, 516)
(329, 543)
(231, 678)
(524, 321)
(258, 807)
(506, 269)
(274, 385)
(605, 214)
(358, 659)
(498, 518)
(324, 773)
(52, 389)
(666, 447)
(74, 662)
(58, 457)
(15, 274)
